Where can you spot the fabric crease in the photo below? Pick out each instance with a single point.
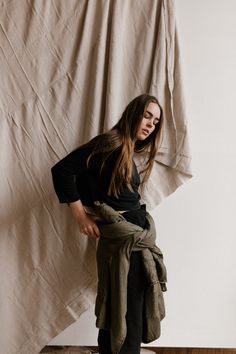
(67, 71)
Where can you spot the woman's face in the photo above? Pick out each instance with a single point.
(151, 118)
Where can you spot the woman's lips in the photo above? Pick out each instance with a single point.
(146, 132)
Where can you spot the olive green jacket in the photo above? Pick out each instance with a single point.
(118, 239)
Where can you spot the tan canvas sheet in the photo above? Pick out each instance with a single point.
(68, 69)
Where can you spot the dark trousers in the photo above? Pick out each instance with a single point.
(134, 316)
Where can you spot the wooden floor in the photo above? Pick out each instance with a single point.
(193, 351)
(147, 350)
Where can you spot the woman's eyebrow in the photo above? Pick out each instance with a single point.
(151, 114)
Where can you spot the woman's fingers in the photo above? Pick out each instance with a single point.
(90, 230)
(87, 224)
(97, 231)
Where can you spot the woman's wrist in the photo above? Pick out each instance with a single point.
(77, 208)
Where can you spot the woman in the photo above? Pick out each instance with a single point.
(103, 170)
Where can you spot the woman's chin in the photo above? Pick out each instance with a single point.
(142, 137)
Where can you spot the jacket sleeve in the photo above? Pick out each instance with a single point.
(65, 172)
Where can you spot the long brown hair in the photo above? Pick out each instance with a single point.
(123, 137)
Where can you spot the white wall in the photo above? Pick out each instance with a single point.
(197, 225)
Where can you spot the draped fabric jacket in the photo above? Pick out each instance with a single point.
(118, 239)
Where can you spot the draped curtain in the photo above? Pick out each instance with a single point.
(68, 69)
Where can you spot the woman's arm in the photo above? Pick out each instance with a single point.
(64, 175)
(65, 172)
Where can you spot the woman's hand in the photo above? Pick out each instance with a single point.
(87, 224)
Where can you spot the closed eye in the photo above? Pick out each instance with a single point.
(155, 122)
(149, 115)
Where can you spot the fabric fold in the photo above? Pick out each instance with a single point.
(68, 69)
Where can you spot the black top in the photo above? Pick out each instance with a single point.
(73, 180)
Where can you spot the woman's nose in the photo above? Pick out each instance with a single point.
(150, 123)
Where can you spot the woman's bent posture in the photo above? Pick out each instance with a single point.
(100, 182)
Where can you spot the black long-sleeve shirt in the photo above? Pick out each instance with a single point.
(73, 180)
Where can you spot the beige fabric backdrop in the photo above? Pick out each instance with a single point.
(68, 69)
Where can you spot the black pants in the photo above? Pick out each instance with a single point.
(135, 298)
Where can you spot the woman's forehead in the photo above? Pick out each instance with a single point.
(153, 109)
